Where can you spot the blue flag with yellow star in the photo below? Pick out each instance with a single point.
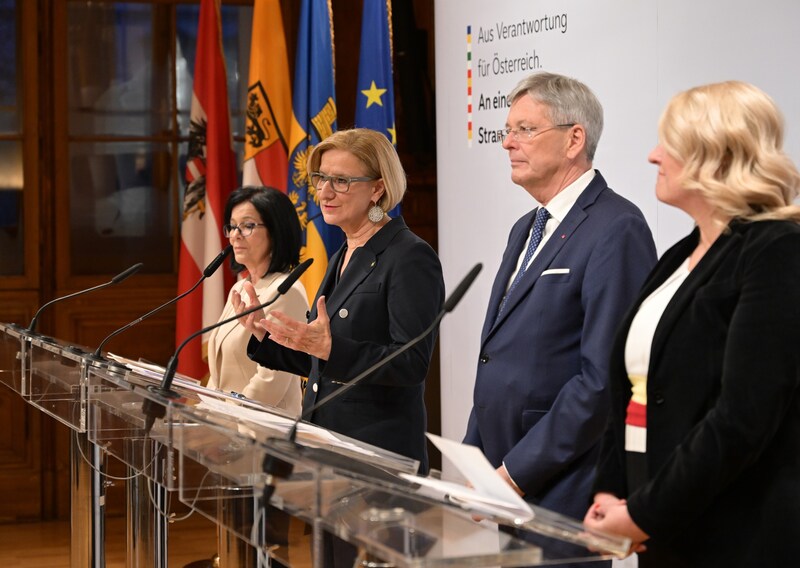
(313, 120)
(375, 96)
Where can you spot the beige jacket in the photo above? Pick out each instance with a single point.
(230, 367)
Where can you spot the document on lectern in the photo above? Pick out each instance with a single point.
(152, 371)
(255, 413)
(489, 494)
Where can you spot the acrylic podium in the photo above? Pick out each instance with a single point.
(218, 455)
(231, 461)
(52, 376)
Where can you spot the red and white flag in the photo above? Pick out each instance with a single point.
(211, 175)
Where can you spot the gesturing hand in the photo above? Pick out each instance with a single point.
(313, 338)
(252, 321)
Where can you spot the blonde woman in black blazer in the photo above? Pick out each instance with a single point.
(701, 460)
(381, 289)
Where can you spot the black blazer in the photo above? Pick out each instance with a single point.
(723, 406)
(391, 290)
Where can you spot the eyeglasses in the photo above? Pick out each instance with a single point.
(527, 133)
(339, 184)
(245, 229)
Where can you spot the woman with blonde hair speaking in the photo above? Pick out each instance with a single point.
(701, 460)
(382, 288)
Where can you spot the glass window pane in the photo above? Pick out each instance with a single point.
(119, 73)
(120, 207)
(11, 182)
(9, 104)
(237, 27)
(237, 23)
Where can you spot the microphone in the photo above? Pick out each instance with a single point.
(275, 467)
(116, 280)
(209, 270)
(155, 410)
(447, 307)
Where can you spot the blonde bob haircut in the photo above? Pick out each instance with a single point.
(729, 137)
(375, 151)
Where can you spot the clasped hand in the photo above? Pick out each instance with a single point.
(313, 338)
(610, 514)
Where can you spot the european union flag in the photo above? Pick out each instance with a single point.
(375, 97)
(314, 110)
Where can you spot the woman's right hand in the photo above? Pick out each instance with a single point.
(250, 321)
(602, 503)
(610, 514)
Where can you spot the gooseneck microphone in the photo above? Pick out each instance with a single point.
(154, 410)
(275, 467)
(209, 270)
(447, 307)
(116, 280)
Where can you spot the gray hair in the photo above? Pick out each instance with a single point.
(569, 102)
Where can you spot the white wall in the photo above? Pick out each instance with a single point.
(635, 54)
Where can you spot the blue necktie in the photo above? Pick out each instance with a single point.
(536, 237)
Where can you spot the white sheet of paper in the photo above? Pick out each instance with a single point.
(490, 494)
(468, 498)
(474, 466)
(153, 371)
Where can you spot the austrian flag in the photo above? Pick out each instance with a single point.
(211, 175)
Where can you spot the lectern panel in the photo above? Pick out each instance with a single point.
(58, 381)
(117, 424)
(14, 357)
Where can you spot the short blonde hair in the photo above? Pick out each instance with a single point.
(375, 151)
(729, 137)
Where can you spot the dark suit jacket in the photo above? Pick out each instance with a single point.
(723, 405)
(391, 290)
(541, 400)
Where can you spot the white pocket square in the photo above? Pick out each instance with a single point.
(555, 271)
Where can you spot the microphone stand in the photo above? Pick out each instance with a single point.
(153, 409)
(116, 280)
(276, 468)
(210, 269)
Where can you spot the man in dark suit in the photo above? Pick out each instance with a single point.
(571, 268)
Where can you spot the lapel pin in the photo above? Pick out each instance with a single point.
(343, 313)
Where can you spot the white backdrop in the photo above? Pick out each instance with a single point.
(635, 54)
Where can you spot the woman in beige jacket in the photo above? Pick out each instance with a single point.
(262, 226)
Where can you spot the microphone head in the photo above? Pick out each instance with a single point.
(217, 262)
(451, 302)
(126, 273)
(116, 280)
(289, 281)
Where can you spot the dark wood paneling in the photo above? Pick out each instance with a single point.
(20, 462)
(20, 431)
(88, 319)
